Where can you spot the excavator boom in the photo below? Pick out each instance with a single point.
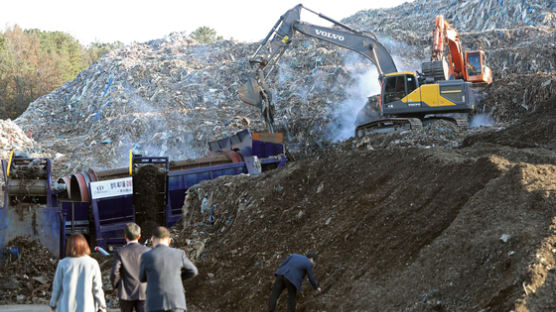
(255, 91)
(345, 36)
(406, 98)
(469, 66)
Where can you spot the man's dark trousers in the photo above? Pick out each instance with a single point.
(279, 284)
(128, 306)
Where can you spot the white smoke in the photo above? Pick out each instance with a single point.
(365, 77)
(152, 135)
(481, 120)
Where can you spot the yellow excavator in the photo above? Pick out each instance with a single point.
(406, 100)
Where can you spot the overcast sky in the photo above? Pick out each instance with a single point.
(143, 20)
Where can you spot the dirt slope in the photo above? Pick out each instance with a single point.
(401, 229)
(401, 221)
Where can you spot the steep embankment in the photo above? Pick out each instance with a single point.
(400, 229)
(402, 221)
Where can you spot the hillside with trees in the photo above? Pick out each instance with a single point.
(35, 62)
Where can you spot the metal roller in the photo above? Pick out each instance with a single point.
(18, 187)
(67, 182)
(221, 158)
(111, 174)
(79, 187)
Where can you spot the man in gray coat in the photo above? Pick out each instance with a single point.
(125, 271)
(163, 268)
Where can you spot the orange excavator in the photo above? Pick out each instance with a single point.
(468, 66)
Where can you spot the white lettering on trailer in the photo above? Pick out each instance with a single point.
(110, 188)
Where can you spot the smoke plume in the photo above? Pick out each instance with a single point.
(481, 120)
(365, 84)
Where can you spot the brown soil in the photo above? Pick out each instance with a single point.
(27, 278)
(401, 222)
(533, 130)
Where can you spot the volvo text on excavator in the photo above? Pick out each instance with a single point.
(406, 98)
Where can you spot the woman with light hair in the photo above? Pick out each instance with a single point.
(77, 283)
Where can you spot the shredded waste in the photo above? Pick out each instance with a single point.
(436, 219)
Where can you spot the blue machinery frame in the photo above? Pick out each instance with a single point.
(51, 222)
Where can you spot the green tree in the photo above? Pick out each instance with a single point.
(97, 49)
(205, 35)
(35, 62)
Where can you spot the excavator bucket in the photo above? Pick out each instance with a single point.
(250, 93)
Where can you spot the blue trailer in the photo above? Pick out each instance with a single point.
(99, 204)
(242, 153)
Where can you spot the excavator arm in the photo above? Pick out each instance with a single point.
(346, 37)
(469, 66)
(445, 33)
(255, 92)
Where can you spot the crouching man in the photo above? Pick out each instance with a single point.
(290, 275)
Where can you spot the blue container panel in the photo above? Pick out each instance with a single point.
(112, 214)
(180, 181)
(113, 209)
(172, 220)
(266, 149)
(41, 224)
(81, 210)
(115, 236)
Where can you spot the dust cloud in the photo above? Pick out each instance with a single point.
(365, 84)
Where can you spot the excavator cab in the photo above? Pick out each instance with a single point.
(476, 69)
(395, 87)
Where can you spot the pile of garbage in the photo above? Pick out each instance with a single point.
(160, 97)
(518, 36)
(12, 138)
(509, 99)
(171, 96)
(27, 272)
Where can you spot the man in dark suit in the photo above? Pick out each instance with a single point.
(163, 268)
(290, 275)
(125, 271)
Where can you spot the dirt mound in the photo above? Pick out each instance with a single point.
(519, 95)
(536, 129)
(395, 229)
(27, 272)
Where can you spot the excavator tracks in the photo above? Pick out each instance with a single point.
(388, 125)
(397, 124)
(436, 69)
(460, 121)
